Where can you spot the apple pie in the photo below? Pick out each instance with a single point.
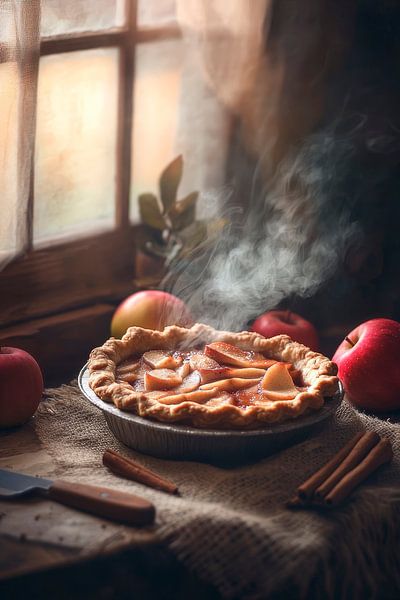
(208, 378)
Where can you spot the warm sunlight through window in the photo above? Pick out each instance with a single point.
(75, 161)
(155, 118)
(8, 156)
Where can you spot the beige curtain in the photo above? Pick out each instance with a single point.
(19, 54)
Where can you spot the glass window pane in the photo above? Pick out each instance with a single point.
(75, 143)
(7, 29)
(9, 79)
(158, 73)
(154, 13)
(68, 16)
(176, 112)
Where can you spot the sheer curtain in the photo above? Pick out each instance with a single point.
(19, 55)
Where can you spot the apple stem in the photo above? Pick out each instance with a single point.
(349, 341)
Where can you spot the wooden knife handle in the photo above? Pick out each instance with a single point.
(103, 502)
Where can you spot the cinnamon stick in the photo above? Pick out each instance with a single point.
(306, 490)
(379, 455)
(128, 468)
(355, 456)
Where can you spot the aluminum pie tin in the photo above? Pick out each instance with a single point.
(181, 442)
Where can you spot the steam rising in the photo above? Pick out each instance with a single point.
(323, 202)
(288, 241)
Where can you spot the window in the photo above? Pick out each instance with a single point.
(90, 92)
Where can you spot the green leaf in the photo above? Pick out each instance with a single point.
(150, 211)
(183, 213)
(169, 182)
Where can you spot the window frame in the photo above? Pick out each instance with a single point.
(66, 275)
(57, 300)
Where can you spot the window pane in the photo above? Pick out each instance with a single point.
(153, 13)
(9, 78)
(7, 29)
(68, 16)
(176, 112)
(75, 143)
(158, 73)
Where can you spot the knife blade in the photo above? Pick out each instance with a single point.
(101, 501)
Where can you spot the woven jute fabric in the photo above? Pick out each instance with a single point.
(230, 525)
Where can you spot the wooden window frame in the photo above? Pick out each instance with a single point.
(85, 276)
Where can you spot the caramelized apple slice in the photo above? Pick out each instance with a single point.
(220, 399)
(277, 383)
(128, 367)
(201, 361)
(196, 396)
(160, 359)
(231, 355)
(230, 385)
(227, 372)
(189, 384)
(161, 379)
(128, 371)
(184, 370)
(128, 377)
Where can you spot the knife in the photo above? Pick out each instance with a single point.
(101, 501)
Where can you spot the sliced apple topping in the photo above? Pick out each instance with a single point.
(277, 383)
(220, 399)
(128, 367)
(201, 361)
(231, 355)
(184, 370)
(161, 379)
(189, 384)
(128, 371)
(230, 385)
(228, 372)
(198, 396)
(128, 377)
(160, 359)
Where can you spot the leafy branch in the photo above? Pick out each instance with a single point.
(171, 223)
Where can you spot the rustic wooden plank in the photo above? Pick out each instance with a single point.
(61, 343)
(68, 276)
(21, 556)
(35, 533)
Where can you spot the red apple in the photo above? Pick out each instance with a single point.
(21, 386)
(368, 361)
(151, 309)
(276, 322)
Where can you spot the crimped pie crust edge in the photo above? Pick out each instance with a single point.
(319, 374)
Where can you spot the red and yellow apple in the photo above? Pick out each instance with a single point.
(151, 309)
(276, 322)
(21, 386)
(368, 360)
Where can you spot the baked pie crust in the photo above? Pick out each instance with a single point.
(179, 380)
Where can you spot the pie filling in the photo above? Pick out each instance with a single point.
(219, 371)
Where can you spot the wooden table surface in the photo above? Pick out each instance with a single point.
(39, 538)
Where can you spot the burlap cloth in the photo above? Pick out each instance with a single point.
(230, 526)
